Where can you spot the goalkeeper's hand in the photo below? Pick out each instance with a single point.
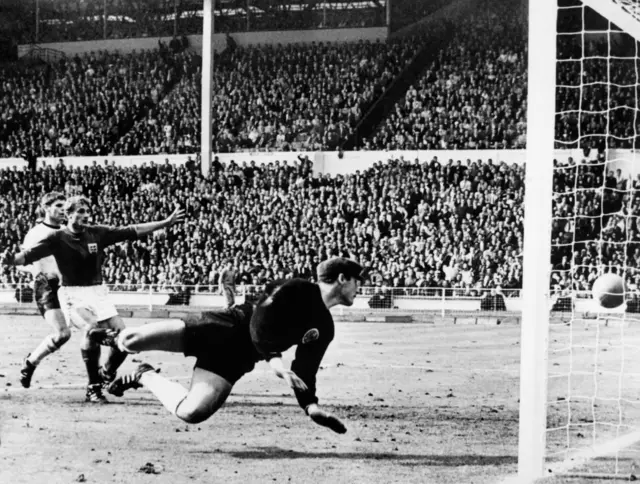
(293, 380)
(325, 419)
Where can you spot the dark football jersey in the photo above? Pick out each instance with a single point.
(294, 314)
(79, 255)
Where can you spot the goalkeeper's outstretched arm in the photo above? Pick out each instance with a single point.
(300, 388)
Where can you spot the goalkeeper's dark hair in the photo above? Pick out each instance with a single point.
(50, 198)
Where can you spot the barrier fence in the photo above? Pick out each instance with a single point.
(374, 298)
(370, 298)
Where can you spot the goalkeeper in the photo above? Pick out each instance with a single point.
(228, 343)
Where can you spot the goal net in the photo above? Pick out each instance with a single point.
(580, 372)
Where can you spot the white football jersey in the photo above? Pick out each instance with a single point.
(46, 265)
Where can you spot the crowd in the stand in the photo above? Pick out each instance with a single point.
(455, 226)
(84, 104)
(304, 97)
(436, 224)
(294, 97)
(595, 225)
(300, 96)
(471, 96)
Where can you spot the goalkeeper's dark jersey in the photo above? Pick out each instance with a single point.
(293, 313)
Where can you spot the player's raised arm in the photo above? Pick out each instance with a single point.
(113, 235)
(42, 249)
(178, 216)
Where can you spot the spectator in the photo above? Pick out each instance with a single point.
(227, 283)
(493, 301)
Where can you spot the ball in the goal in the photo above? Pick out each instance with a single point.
(608, 290)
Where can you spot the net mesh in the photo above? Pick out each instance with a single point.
(594, 356)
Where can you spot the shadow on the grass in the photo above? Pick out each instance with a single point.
(424, 459)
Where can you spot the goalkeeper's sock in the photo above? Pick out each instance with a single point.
(115, 358)
(169, 393)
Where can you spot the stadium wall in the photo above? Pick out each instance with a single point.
(335, 163)
(219, 40)
(9, 163)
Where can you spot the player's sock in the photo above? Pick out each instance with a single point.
(91, 358)
(169, 393)
(114, 360)
(44, 349)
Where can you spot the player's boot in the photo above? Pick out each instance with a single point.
(26, 372)
(130, 381)
(94, 394)
(104, 336)
(107, 377)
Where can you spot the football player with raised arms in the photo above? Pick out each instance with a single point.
(84, 299)
(228, 343)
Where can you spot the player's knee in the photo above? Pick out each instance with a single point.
(194, 409)
(193, 415)
(62, 336)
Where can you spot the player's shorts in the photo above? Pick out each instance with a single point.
(221, 342)
(93, 298)
(46, 293)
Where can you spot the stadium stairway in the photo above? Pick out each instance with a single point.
(134, 118)
(435, 32)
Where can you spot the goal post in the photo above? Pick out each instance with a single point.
(580, 374)
(537, 237)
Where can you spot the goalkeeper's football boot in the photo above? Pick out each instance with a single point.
(130, 381)
(26, 372)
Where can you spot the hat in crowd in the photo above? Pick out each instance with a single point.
(329, 270)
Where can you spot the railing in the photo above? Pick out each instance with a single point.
(376, 298)
(370, 298)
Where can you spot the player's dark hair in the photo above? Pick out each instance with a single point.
(73, 203)
(51, 198)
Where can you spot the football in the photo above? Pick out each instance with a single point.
(608, 290)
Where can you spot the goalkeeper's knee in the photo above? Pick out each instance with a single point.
(126, 340)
